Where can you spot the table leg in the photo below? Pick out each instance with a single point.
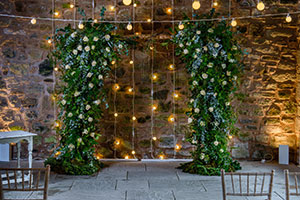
(30, 147)
(19, 154)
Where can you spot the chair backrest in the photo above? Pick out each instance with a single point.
(240, 184)
(288, 187)
(24, 179)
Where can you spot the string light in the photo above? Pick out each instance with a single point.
(177, 147)
(196, 5)
(133, 152)
(117, 142)
(161, 157)
(134, 5)
(80, 25)
(130, 90)
(230, 137)
(129, 26)
(215, 4)
(57, 153)
(99, 156)
(133, 118)
(127, 2)
(260, 6)
(149, 20)
(176, 95)
(113, 62)
(171, 67)
(33, 21)
(56, 69)
(95, 20)
(72, 6)
(169, 11)
(116, 114)
(154, 107)
(112, 8)
(56, 13)
(151, 48)
(288, 18)
(154, 77)
(57, 124)
(49, 41)
(131, 62)
(154, 138)
(181, 26)
(171, 118)
(233, 22)
(116, 87)
(126, 157)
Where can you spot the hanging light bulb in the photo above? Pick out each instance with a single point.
(149, 20)
(116, 87)
(33, 21)
(133, 152)
(154, 107)
(127, 2)
(129, 26)
(171, 67)
(49, 41)
(80, 25)
(154, 77)
(169, 11)
(154, 138)
(215, 4)
(134, 5)
(131, 62)
(133, 118)
(177, 147)
(181, 26)
(56, 13)
(72, 6)
(260, 6)
(126, 157)
(116, 114)
(233, 22)
(95, 20)
(112, 8)
(196, 5)
(288, 18)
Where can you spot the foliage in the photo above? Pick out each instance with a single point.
(85, 57)
(212, 58)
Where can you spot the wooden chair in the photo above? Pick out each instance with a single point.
(288, 187)
(24, 179)
(257, 179)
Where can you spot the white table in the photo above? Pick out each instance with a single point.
(17, 137)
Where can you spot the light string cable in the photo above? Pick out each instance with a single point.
(53, 73)
(133, 90)
(156, 21)
(115, 97)
(152, 85)
(174, 85)
(74, 14)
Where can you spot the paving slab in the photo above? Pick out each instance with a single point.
(149, 195)
(132, 185)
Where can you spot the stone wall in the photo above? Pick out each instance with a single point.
(268, 99)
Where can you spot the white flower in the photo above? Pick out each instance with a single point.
(194, 141)
(80, 116)
(92, 134)
(217, 45)
(91, 85)
(205, 48)
(195, 56)
(234, 47)
(195, 83)
(190, 120)
(63, 102)
(75, 52)
(212, 80)
(228, 73)
(97, 102)
(100, 77)
(197, 110)
(202, 123)
(211, 109)
(181, 45)
(202, 156)
(192, 100)
(210, 30)
(235, 77)
(76, 94)
(79, 48)
(216, 143)
(90, 119)
(215, 94)
(70, 114)
(224, 83)
(198, 50)
(185, 51)
(120, 46)
(217, 124)
(227, 103)
(71, 146)
(87, 48)
(72, 73)
(104, 63)
(94, 63)
(202, 92)
(89, 75)
(192, 74)
(198, 32)
(96, 39)
(204, 76)
(107, 37)
(223, 66)
(221, 150)
(85, 39)
(107, 49)
(73, 35)
(87, 107)
(93, 47)
(231, 60)
(85, 131)
(210, 65)
(67, 66)
(79, 140)
(188, 44)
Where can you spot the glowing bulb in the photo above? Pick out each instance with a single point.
(57, 153)
(169, 11)
(154, 138)
(215, 3)
(129, 26)
(56, 13)
(149, 20)
(57, 124)
(130, 90)
(80, 25)
(49, 41)
(127, 2)
(177, 147)
(171, 119)
(126, 157)
(116, 87)
(260, 6)
(33, 21)
(133, 152)
(72, 6)
(196, 5)
(134, 5)
(176, 95)
(117, 142)
(161, 157)
(151, 47)
(131, 62)
(116, 114)
(133, 118)
(230, 137)
(171, 67)
(137, 33)
(113, 62)
(95, 20)
(233, 23)
(288, 18)
(181, 26)
(154, 77)
(154, 107)
(112, 8)
(56, 69)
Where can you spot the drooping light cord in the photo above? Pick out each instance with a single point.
(133, 90)
(174, 86)
(53, 73)
(74, 14)
(115, 97)
(152, 84)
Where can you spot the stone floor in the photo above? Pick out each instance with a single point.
(149, 180)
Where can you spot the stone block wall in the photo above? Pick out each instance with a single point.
(268, 106)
